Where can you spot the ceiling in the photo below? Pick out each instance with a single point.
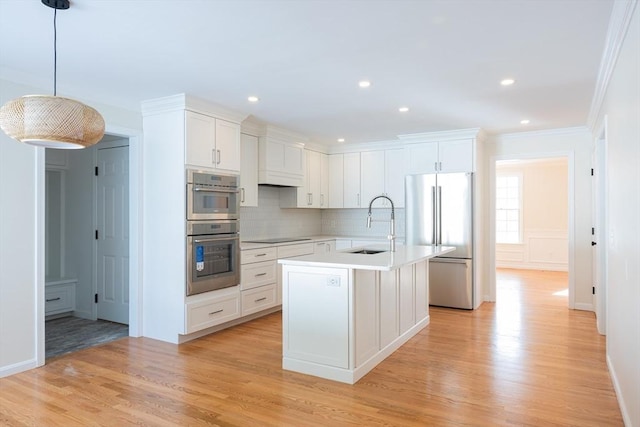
(303, 59)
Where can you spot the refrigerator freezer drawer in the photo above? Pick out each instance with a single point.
(451, 283)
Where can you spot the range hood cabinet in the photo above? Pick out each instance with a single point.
(280, 163)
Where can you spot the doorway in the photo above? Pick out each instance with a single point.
(532, 216)
(88, 262)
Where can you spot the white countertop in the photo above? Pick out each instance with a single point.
(384, 261)
(248, 244)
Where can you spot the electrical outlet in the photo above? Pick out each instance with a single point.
(333, 281)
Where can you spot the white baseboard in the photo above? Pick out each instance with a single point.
(626, 418)
(532, 266)
(5, 371)
(583, 306)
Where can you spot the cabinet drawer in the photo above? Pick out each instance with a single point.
(256, 255)
(289, 251)
(257, 274)
(205, 314)
(258, 299)
(59, 298)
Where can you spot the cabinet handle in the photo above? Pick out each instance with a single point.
(214, 158)
(308, 199)
(260, 274)
(321, 199)
(219, 157)
(216, 312)
(53, 299)
(257, 255)
(260, 299)
(358, 204)
(435, 166)
(440, 166)
(242, 195)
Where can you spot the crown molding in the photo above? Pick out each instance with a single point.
(183, 101)
(578, 130)
(621, 16)
(446, 135)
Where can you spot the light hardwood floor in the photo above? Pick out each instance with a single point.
(526, 360)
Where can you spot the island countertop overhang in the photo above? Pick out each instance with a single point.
(383, 261)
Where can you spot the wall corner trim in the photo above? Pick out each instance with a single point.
(619, 21)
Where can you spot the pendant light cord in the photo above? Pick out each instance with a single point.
(55, 52)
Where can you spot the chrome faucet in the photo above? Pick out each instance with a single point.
(392, 222)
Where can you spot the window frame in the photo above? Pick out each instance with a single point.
(520, 176)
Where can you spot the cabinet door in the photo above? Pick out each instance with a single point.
(313, 178)
(407, 301)
(456, 156)
(324, 181)
(421, 158)
(200, 138)
(372, 178)
(351, 169)
(227, 142)
(388, 307)
(394, 172)
(248, 170)
(336, 180)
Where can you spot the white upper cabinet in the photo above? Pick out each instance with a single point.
(439, 157)
(249, 170)
(336, 180)
(394, 172)
(324, 181)
(382, 173)
(228, 145)
(456, 156)
(309, 195)
(352, 196)
(211, 142)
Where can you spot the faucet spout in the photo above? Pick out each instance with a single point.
(392, 222)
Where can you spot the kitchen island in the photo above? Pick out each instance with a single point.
(344, 312)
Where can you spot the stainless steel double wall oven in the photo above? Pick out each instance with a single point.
(213, 239)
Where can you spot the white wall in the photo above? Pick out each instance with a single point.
(577, 145)
(621, 107)
(21, 247)
(22, 236)
(544, 243)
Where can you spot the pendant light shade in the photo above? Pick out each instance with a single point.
(52, 121)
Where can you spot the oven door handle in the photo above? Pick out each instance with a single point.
(214, 190)
(217, 239)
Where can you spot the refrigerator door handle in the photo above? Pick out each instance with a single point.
(439, 215)
(434, 237)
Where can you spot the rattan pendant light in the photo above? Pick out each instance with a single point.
(52, 121)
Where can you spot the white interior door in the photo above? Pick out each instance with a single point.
(113, 234)
(599, 247)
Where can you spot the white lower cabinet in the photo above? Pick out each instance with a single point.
(258, 299)
(289, 251)
(59, 297)
(330, 313)
(213, 310)
(324, 247)
(258, 279)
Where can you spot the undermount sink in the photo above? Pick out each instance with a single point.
(367, 252)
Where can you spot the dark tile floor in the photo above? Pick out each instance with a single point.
(69, 334)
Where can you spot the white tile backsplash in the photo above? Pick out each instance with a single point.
(269, 220)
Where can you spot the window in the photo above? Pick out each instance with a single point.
(508, 209)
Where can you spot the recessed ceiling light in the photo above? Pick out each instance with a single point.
(340, 139)
(524, 122)
(507, 82)
(403, 109)
(253, 99)
(364, 83)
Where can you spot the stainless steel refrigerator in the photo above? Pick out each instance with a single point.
(439, 211)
